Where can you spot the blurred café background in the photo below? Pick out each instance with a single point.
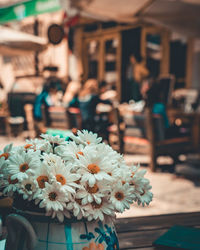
(144, 56)
(127, 70)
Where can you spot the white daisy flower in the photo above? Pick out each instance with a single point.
(51, 159)
(146, 196)
(53, 197)
(39, 144)
(59, 214)
(70, 151)
(10, 186)
(54, 140)
(134, 169)
(29, 146)
(124, 174)
(45, 147)
(2, 163)
(21, 166)
(138, 180)
(6, 152)
(42, 175)
(90, 194)
(93, 168)
(28, 188)
(76, 207)
(62, 174)
(115, 158)
(122, 196)
(96, 211)
(85, 137)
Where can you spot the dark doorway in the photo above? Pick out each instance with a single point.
(130, 45)
(178, 52)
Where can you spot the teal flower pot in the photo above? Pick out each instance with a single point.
(28, 230)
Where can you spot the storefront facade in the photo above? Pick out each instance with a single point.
(103, 50)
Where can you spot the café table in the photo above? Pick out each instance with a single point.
(141, 232)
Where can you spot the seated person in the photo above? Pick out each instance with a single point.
(136, 73)
(87, 101)
(108, 92)
(154, 99)
(71, 91)
(47, 97)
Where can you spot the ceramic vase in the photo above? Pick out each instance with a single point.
(42, 233)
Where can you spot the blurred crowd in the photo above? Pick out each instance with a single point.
(88, 104)
(81, 100)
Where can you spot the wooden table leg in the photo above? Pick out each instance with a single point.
(196, 132)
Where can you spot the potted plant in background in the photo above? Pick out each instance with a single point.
(67, 192)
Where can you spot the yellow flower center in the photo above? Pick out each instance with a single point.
(60, 178)
(52, 196)
(79, 153)
(41, 180)
(93, 168)
(93, 190)
(119, 196)
(23, 167)
(88, 142)
(12, 181)
(6, 155)
(95, 205)
(28, 146)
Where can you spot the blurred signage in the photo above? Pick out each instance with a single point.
(55, 34)
(30, 8)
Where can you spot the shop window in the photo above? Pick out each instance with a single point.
(153, 54)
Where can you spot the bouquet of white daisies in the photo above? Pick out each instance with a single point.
(79, 178)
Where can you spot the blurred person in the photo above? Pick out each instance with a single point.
(136, 73)
(146, 85)
(155, 100)
(107, 92)
(87, 101)
(73, 113)
(71, 91)
(3, 96)
(46, 98)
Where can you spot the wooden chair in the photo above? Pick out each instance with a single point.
(135, 140)
(159, 146)
(116, 131)
(127, 135)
